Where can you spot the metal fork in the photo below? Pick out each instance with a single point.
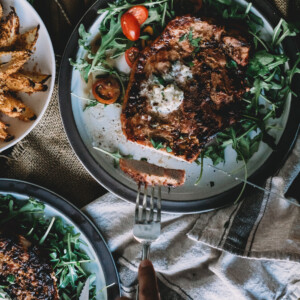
(147, 219)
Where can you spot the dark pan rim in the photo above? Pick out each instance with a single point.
(270, 167)
(86, 226)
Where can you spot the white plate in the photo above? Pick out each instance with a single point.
(42, 60)
(55, 206)
(100, 126)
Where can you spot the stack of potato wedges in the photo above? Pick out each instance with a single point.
(15, 51)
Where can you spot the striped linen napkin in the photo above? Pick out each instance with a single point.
(246, 251)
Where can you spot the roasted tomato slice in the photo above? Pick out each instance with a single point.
(130, 26)
(139, 12)
(131, 55)
(106, 90)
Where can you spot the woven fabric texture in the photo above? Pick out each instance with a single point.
(45, 157)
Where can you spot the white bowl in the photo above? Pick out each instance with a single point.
(42, 60)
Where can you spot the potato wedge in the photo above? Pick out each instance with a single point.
(12, 61)
(27, 82)
(4, 135)
(27, 40)
(11, 106)
(9, 30)
(1, 12)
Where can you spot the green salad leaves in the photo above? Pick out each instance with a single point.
(270, 83)
(268, 74)
(55, 238)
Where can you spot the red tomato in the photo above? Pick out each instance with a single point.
(131, 55)
(106, 90)
(140, 13)
(130, 26)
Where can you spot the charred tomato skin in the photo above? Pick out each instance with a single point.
(131, 55)
(106, 90)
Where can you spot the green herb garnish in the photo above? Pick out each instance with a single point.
(115, 155)
(10, 279)
(269, 80)
(55, 238)
(157, 145)
(169, 149)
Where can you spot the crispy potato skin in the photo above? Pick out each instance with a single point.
(4, 135)
(15, 108)
(27, 83)
(9, 29)
(15, 50)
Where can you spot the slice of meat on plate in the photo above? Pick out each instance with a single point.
(182, 90)
(149, 174)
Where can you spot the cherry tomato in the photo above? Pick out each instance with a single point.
(139, 12)
(130, 26)
(131, 55)
(106, 90)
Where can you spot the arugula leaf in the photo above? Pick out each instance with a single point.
(183, 37)
(57, 240)
(159, 80)
(157, 145)
(169, 149)
(10, 279)
(90, 104)
(115, 155)
(215, 153)
(231, 64)
(194, 42)
(281, 31)
(82, 66)
(202, 167)
(84, 37)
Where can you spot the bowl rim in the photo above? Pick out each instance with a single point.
(50, 87)
(79, 218)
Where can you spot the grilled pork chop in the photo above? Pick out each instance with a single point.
(186, 87)
(150, 174)
(33, 278)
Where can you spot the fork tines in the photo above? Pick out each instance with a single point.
(151, 205)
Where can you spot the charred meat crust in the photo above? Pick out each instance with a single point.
(212, 97)
(33, 276)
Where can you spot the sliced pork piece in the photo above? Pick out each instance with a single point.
(150, 174)
(24, 273)
(186, 87)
